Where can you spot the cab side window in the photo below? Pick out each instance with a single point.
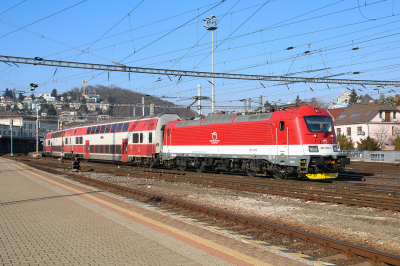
(282, 125)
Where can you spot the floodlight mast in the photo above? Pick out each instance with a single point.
(211, 25)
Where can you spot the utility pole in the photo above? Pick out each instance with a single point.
(261, 101)
(143, 106)
(11, 127)
(199, 96)
(84, 82)
(37, 131)
(211, 24)
(62, 140)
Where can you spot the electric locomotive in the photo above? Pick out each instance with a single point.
(300, 143)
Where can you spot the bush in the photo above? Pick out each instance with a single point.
(345, 143)
(368, 144)
(397, 144)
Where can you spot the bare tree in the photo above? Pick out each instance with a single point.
(393, 135)
(317, 102)
(382, 136)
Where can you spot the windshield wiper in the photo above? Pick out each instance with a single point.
(326, 133)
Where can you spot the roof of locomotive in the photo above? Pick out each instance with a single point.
(237, 117)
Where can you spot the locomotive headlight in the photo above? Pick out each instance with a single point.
(334, 148)
(313, 148)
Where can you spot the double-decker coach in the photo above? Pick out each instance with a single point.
(138, 140)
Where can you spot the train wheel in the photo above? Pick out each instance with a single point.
(201, 168)
(182, 167)
(251, 172)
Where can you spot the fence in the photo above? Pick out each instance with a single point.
(373, 155)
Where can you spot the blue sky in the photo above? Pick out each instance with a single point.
(252, 38)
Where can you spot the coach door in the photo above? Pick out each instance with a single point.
(87, 150)
(124, 150)
(51, 149)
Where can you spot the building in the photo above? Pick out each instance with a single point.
(47, 97)
(336, 112)
(377, 121)
(77, 105)
(58, 106)
(68, 116)
(92, 98)
(23, 133)
(104, 105)
(341, 101)
(3, 107)
(91, 106)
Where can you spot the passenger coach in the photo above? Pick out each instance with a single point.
(136, 141)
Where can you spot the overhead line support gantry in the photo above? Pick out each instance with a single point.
(156, 71)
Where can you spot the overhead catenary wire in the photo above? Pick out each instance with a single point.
(43, 18)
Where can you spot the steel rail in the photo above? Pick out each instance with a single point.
(157, 71)
(372, 254)
(333, 197)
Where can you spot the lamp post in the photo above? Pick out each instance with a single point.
(211, 24)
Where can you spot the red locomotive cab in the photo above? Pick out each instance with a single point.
(316, 127)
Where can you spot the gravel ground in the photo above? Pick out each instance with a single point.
(361, 226)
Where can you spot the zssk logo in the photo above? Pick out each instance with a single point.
(214, 138)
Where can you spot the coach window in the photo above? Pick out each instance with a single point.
(150, 137)
(88, 130)
(108, 127)
(114, 126)
(97, 129)
(117, 149)
(101, 148)
(93, 130)
(119, 128)
(112, 149)
(282, 125)
(141, 137)
(96, 148)
(91, 148)
(103, 127)
(80, 140)
(66, 141)
(106, 149)
(135, 138)
(126, 127)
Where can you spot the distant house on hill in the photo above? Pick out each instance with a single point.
(341, 101)
(377, 121)
(367, 99)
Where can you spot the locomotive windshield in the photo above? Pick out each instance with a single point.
(319, 123)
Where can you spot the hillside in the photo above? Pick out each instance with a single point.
(117, 95)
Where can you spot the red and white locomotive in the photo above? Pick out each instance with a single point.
(299, 142)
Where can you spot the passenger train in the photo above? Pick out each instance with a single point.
(299, 143)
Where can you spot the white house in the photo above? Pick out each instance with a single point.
(375, 120)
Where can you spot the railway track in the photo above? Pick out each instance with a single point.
(292, 239)
(383, 197)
